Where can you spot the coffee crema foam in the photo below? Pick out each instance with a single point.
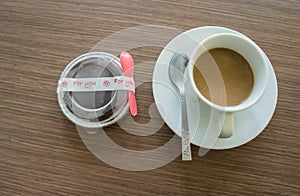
(233, 68)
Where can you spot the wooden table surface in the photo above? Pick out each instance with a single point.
(41, 152)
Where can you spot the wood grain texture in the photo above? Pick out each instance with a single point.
(41, 152)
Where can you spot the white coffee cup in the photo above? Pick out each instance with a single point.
(255, 57)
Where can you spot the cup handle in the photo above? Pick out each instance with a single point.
(228, 126)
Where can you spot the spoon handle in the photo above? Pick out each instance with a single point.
(185, 136)
(132, 105)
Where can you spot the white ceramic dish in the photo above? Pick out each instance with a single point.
(248, 123)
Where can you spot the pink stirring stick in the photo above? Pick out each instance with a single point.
(127, 64)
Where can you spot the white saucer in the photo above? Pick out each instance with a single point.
(248, 123)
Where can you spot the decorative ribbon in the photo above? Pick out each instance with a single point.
(96, 84)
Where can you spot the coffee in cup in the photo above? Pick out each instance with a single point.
(235, 71)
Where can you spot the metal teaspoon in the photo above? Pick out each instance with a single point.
(177, 68)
